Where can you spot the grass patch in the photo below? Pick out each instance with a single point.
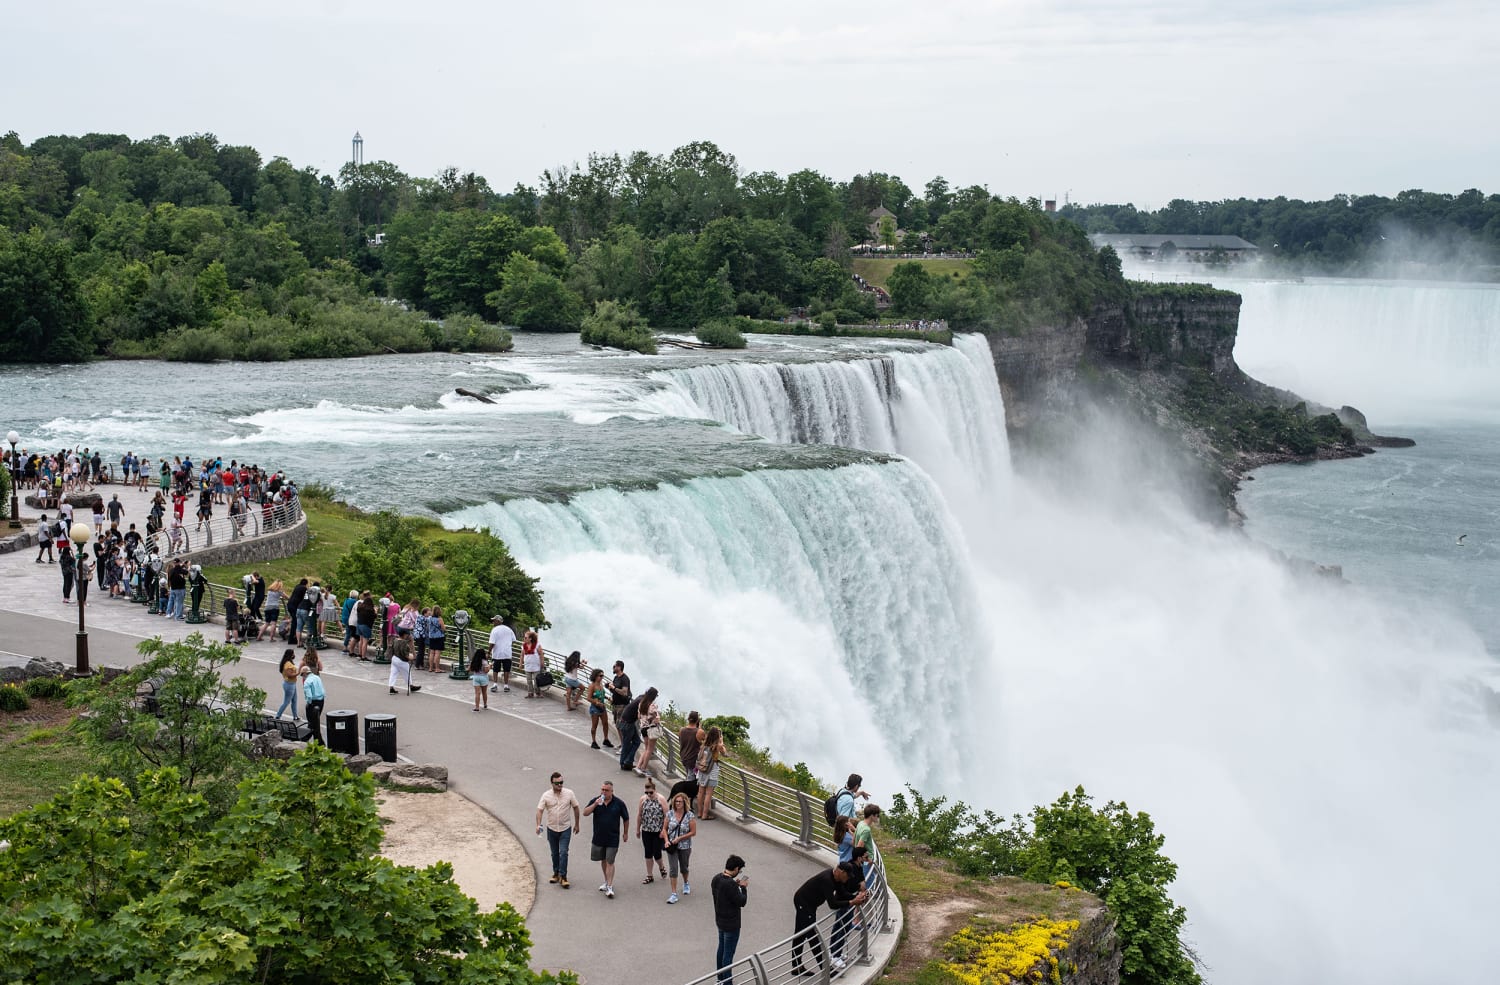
(877, 269)
(37, 762)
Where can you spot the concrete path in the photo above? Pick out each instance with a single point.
(500, 759)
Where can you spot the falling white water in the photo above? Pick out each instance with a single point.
(833, 607)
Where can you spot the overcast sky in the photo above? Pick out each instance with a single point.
(1099, 100)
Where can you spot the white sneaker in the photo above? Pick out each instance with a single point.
(838, 964)
(672, 898)
(686, 889)
(603, 886)
(609, 893)
(507, 689)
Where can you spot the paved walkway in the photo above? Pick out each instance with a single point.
(500, 759)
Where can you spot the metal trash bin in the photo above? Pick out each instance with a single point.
(380, 736)
(343, 731)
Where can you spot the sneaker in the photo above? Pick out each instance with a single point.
(415, 688)
(672, 898)
(494, 688)
(393, 690)
(838, 964)
(593, 745)
(507, 689)
(641, 772)
(603, 886)
(554, 877)
(609, 893)
(563, 882)
(686, 889)
(608, 744)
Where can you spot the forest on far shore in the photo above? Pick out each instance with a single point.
(191, 249)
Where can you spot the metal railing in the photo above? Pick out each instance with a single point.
(255, 521)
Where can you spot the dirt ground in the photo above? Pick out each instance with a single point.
(490, 866)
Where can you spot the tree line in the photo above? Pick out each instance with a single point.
(191, 249)
(1416, 232)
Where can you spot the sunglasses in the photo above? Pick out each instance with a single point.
(557, 783)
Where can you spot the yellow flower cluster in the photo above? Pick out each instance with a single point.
(1021, 954)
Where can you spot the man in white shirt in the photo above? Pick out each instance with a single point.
(556, 804)
(502, 645)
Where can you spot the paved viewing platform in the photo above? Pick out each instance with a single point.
(500, 759)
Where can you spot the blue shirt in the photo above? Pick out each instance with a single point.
(312, 687)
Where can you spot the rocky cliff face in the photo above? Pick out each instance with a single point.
(1164, 356)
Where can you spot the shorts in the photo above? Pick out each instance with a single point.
(596, 710)
(503, 665)
(437, 643)
(273, 615)
(603, 853)
(709, 777)
(362, 631)
(572, 683)
(480, 679)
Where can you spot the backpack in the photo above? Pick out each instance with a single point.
(831, 809)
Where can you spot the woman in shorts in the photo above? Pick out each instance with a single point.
(574, 696)
(598, 699)
(709, 755)
(437, 638)
(479, 678)
(364, 625)
(274, 595)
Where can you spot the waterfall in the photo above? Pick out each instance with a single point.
(1397, 350)
(937, 405)
(833, 607)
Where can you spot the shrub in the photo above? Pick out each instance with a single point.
(722, 332)
(828, 321)
(196, 345)
(470, 333)
(13, 698)
(45, 687)
(618, 326)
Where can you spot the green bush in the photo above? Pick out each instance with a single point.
(722, 332)
(618, 326)
(470, 333)
(13, 698)
(736, 728)
(1107, 851)
(45, 687)
(828, 321)
(196, 345)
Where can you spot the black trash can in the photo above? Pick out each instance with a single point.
(343, 731)
(380, 736)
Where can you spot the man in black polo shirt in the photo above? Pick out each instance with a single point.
(840, 887)
(611, 829)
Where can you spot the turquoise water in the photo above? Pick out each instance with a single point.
(1392, 520)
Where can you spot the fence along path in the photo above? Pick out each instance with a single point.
(865, 936)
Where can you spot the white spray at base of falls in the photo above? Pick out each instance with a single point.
(831, 607)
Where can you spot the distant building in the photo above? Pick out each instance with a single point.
(877, 215)
(357, 157)
(1183, 247)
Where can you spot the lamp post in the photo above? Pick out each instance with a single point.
(15, 505)
(79, 535)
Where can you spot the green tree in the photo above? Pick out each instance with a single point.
(390, 559)
(193, 728)
(535, 298)
(43, 317)
(106, 885)
(485, 579)
(911, 288)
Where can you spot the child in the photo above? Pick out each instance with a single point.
(479, 678)
(232, 632)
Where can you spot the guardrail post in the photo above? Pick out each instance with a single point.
(208, 534)
(745, 816)
(668, 745)
(864, 940)
(804, 839)
(758, 969)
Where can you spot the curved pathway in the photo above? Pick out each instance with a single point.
(501, 760)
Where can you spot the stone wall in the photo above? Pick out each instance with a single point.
(249, 550)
